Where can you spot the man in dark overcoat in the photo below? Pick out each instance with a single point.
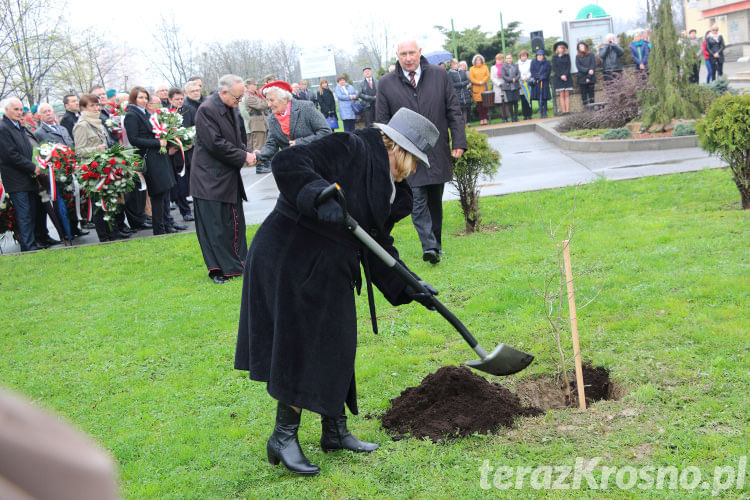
(426, 89)
(368, 91)
(16, 170)
(215, 181)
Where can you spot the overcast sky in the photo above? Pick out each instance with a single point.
(314, 23)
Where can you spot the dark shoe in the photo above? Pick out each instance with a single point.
(336, 436)
(119, 235)
(431, 256)
(170, 230)
(219, 279)
(147, 225)
(179, 227)
(262, 169)
(283, 445)
(80, 232)
(49, 242)
(88, 225)
(126, 230)
(188, 217)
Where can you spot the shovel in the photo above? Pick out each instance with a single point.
(504, 360)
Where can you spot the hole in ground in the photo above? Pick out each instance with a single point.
(547, 392)
(454, 401)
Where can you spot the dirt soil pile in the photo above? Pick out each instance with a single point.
(453, 402)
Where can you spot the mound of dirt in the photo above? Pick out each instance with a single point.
(453, 402)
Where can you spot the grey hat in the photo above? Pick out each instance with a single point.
(413, 132)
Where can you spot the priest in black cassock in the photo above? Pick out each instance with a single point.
(215, 181)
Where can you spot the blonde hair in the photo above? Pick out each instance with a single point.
(405, 161)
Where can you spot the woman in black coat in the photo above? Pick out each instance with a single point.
(462, 86)
(298, 325)
(563, 81)
(586, 65)
(540, 71)
(511, 84)
(158, 170)
(327, 103)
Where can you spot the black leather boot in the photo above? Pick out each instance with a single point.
(283, 445)
(337, 437)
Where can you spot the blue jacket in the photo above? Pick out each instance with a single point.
(640, 51)
(345, 102)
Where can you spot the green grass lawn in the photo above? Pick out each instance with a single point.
(132, 343)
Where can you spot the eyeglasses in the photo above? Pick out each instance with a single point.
(238, 99)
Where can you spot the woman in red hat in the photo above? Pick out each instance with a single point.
(293, 122)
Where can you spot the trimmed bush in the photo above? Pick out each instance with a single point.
(683, 129)
(479, 160)
(725, 132)
(618, 133)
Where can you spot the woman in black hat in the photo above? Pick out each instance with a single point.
(562, 81)
(540, 71)
(298, 324)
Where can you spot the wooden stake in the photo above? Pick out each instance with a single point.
(574, 325)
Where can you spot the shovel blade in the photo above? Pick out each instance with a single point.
(504, 360)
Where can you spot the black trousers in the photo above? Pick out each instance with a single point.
(525, 108)
(157, 211)
(587, 93)
(369, 115)
(427, 215)
(135, 204)
(717, 67)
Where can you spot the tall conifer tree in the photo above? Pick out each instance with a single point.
(665, 99)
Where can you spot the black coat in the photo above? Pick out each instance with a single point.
(327, 103)
(219, 153)
(68, 120)
(16, 151)
(435, 99)
(158, 169)
(193, 105)
(368, 95)
(540, 71)
(584, 64)
(298, 323)
(112, 138)
(561, 66)
(460, 81)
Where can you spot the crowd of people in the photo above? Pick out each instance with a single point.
(291, 114)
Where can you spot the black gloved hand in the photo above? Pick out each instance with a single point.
(423, 298)
(330, 211)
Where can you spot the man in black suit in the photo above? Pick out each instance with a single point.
(180, 159)
(215, 181)
(367, 93)
(17, 169)
(72, 112)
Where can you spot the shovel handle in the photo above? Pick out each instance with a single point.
(334, 190)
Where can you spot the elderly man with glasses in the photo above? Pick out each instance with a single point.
(215, 182)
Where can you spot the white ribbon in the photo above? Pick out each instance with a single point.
(77, 195)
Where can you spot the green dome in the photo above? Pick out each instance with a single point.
(591, 11)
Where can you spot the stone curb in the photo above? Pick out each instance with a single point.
(546, 130)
